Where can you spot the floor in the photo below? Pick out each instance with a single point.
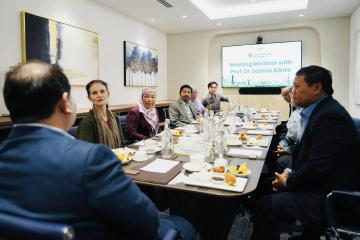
(242, 230)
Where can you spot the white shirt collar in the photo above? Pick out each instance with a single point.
(44, 126)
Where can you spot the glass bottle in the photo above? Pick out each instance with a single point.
(166, 141)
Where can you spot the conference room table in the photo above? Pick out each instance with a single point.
(212, 211)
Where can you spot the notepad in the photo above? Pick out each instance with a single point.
(160, 166)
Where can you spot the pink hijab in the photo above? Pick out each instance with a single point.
(150, 114)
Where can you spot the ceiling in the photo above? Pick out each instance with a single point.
(171, 20)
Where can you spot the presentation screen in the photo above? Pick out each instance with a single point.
(260, 65)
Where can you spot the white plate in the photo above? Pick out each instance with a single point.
(239, 186)
(244, 175)
(261, 143)
(141, 159)
(191, 130)
(125, 151)
(249, 127)
(126, 161)
(189, 167)
(151, 150)
(234, 143)
(141, 143)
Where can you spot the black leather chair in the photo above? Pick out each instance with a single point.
(166, 112)
(343, 213)
(342, 207)
(122, 123)
(18, 228)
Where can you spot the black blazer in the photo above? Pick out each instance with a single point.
(325, 159)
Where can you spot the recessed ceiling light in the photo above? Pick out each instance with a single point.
(219, 24)
(217, 9)
(301, 15)
(253, 0)
(152, 20)
(184, 16)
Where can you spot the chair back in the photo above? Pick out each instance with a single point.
(166, 112)
(13, 227)
(122, 124)
(72, 131)
(357, 124)
(342, 211)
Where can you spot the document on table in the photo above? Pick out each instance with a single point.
(262, 132)
(247, 153)
(160, 166)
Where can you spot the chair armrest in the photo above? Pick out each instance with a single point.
(21, 228)
(343, 193)
(171, 234)
(331, 211)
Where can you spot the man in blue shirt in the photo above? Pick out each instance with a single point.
(323, 160)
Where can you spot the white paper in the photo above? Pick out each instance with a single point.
(262, 132)
(160, 166)
(236, 152)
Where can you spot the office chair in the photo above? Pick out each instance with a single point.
(166, 112)
(13, 227)
(122, 124)
(18, 228)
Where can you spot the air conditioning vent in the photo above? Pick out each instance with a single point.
(165, 3)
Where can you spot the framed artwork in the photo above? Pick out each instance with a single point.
(74, 49)
(140, 65)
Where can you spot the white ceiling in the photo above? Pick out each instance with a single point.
(170, 20)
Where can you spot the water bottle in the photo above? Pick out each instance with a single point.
(220, 140)
(166, 141)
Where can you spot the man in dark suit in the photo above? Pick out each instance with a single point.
(323, 160)
(48, 175)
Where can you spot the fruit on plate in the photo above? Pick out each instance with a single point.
(254, 123)
(125, 156)
(178, 132)
(242, 169)
(259, 137)
(239, 169)
(122, 156)
(242, 136)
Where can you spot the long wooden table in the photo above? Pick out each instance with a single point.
(212, 211)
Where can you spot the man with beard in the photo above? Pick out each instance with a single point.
(182, 112)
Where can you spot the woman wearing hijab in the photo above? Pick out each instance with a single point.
(101, 125)
(143, 120)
